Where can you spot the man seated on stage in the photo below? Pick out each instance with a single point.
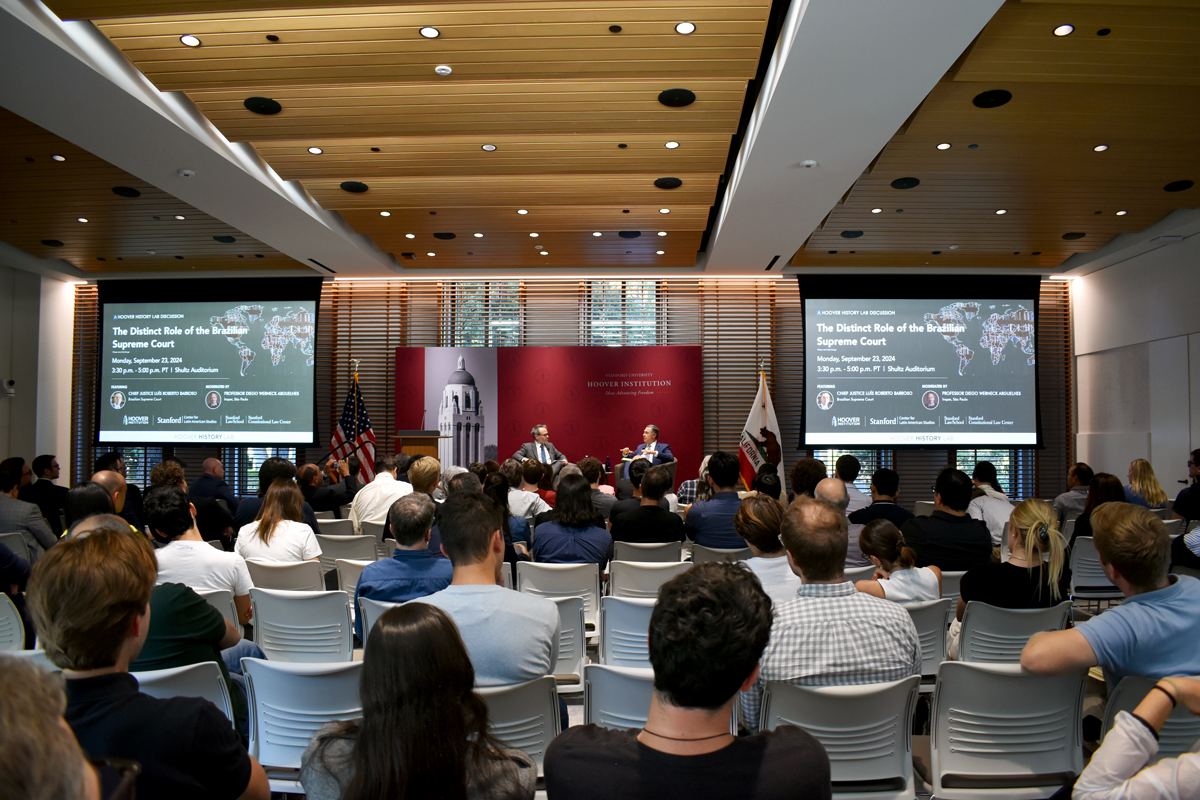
(648, 521)
(373, 501)
(651, 448)
(269, 471)
(709, 523)
(212, 484)
(540, 448)
(340, 491)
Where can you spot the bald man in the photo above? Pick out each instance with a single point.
(833, 491)
(212, 484)
(114, 484)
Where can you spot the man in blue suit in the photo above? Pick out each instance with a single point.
(651, 449)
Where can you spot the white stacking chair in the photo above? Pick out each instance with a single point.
(625, 631)
(572, 645)
(302, 626)
(864, 730)
(300, 576)
(12, 629)
(507, 576)
(291, 702)
(357, 548)
(221, 600)
(349, 571)
(216, 545)
(641, 551)
(700, 554)
(388, 549)
(641, 578)
(37, 656)
(1178, 733)
(323, 515)
(16, 542)
(1163, 513)
(195, 680)
(1000, 733)
(930, 619)
(1068, 529)
(616, 697)
(372, 610)
(1179, 569)
(372, 529)
(563, 580)
(1174, 527)
(1088, 581)
(998, 635)
(951, 591)
(923, 508)
(524, 716)
(337, 527)
(856, 574)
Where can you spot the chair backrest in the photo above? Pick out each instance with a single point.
(1179, 569)
(1174, 527)
(700, 554)
(923, 508)
(625, 631)
(323, 515)
(1068, 529)
(656, 551)
(290, 702)
(572, 644)
(930, 619)
(360, 548)
(337, 527)
(616, 697)
(388, 549)
(37, 656)
(1087, 576)
(16, 542)
(349, 571)
(195, 680)
(1181, 729)
(950, 585)
(864, 729)
(372, 529)
(642, 579)
(221, 600)
(563, 580)
(300, 576)
(216, 545)
(372, 610)
(856, 574)
(12, 629)
(524, 716)
(998, 635)
(996, 726)
(302, 626)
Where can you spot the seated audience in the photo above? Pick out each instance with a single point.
(17, 466)
(833, 491)
(830, 633)
(86, 499)
(1143, 488)
(990, 506)
(949, 539)
(271, 470)
(44, 493)
(593, 470)
(649, 521)
(131, 511)
(885, 488)
(211, 484)
(338, 492)
(423, 474)
(448, 474)
(571, 537)
(1103, 488)
(758, 521)
(17, 516)
(1071, 502)
(846, 470)
(637, 472)
(14, 575)
(1121, 769)
(278, 534)
(709, 523)
(1187, 502)
(478, 470)
(91, 599)
(549, 516)
(523, 499)
(423, 731)
(545, 484)
(1155, 632)
(373, 501)
(697, 488)
(708, 629)
(767, 482)
(897, 577)
(213, 520)
(514, 528)
(806, 474)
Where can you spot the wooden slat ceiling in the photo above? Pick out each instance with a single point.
(1135, 89)
(42, 199)
(545, 81)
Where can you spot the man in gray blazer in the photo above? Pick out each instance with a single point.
(540, 448)
(17, 516)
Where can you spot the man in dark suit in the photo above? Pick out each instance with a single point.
(651, 449)
(339, 492)
(24, 518)
(212, 484)
(45, 494)
(540, 449)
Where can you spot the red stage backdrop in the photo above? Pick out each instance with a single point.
(595, 400)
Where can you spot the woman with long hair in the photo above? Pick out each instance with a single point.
(1103, 488)
(279, 533)
(514, 528)
(1144, 489)
(758, 520)
(572, 536)
(897, 576)
(87, 499)
(423, 731)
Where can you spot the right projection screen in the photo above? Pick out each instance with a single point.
(920, 361)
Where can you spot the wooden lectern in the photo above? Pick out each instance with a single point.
(418, 443)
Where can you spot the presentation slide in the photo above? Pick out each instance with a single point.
(238, 371)
(940, 370)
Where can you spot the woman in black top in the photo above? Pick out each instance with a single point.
(1104, 488)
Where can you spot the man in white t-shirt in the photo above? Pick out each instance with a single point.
(372, 502)
(847, 469)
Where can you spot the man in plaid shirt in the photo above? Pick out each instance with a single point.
(830, 633)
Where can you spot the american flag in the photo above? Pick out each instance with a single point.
(354, 411)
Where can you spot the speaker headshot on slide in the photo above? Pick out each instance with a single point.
(540, 449)
(651, 449)
(930, 400)
(117, 400)
(213, 400)
(824, 401)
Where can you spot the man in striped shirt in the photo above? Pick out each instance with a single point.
(830, 634)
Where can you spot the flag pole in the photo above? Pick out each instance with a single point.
(354, 362)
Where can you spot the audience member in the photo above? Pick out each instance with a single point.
(758, 521)
(648, 521)
(1071, 502)
(86, 499)
(833, 491)
(545, 484)
(14, 575)
(990, 506)
(339, 492)
(213, 520)
(523, 499)
(885, 488)
(637, 472)
(1154, 633)
(897, 577)
(549, 516)
(697, 488)
(830, 633)
(211, 483)
(767, 482)
(1187, 502)
(570, 537)
(806, 474)
(448, 474)
(478, 470)
(949, 539)
(403, 462)
(514, 528)
(707, 631)
(373, 501)
(423, 474)
(17, 466)
(44, 492)
(278, 534)
(1143, 488)
(846, 470)
(593, 470)
(423, 732)
(1103, 488)
(17, 516)
(709, 523)
(491, 466)
(91, 599)
(412, 571)
(271, 470)
(113, 461)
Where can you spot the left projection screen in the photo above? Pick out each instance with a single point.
(208, 362)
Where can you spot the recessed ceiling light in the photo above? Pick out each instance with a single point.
(544, 253)
(944, 146)
(59, 158)
(479, 236)
(180, 216)
(431, 255)
(671, 145)
(1064, 30)
(661, 252)
(489, 147)
(442, 69)
(685, 27)
(385, 213)
(410, 236)
(1122, 213)
(189, 40)
(316, 151)
(876, 210)
(1100, 148)
(429, 32)
(522, 211)
(1001, 210)
(662, 233)
(533, 235)
(597, 233)
(81, 219)
(664, 211)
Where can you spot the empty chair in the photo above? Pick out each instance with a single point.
(16, 542)
(291, 702)
(195, 680)
(221, 600)
(856, 574)
(563, 580)
(700, 554)
(1181, 729)
(1068, 529)
(302, 626)
(337, 527)
(864, 730)
(12, 629)
(388, 548)
(998, 635)
(349, 571)
(625, 631)
(572, 645)
(360, 548)
(951, 592)
(524, 716)
(923, 508)
(371, 610)
(1174, 527)
(930, 619)
(653, 551)
(372, 529)
(1088, 581)
(616, 697)
(642, 579)
(1001, 732)
(301, 576)
(323, 515)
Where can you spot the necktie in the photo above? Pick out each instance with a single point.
(544, 460)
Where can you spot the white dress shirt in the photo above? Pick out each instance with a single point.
(993, 509)
(857, 498)
(374, 500)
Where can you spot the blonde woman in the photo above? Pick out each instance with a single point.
(1144, 489)
(897, 576)
(278, 534)
(424, 473)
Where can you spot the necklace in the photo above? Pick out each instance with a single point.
(676, 739)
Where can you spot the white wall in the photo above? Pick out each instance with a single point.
(55, 329)
(19, 301)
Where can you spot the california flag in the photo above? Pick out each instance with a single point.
(760, 439)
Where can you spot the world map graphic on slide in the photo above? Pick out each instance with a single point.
(287, 326)
(1006, 324)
